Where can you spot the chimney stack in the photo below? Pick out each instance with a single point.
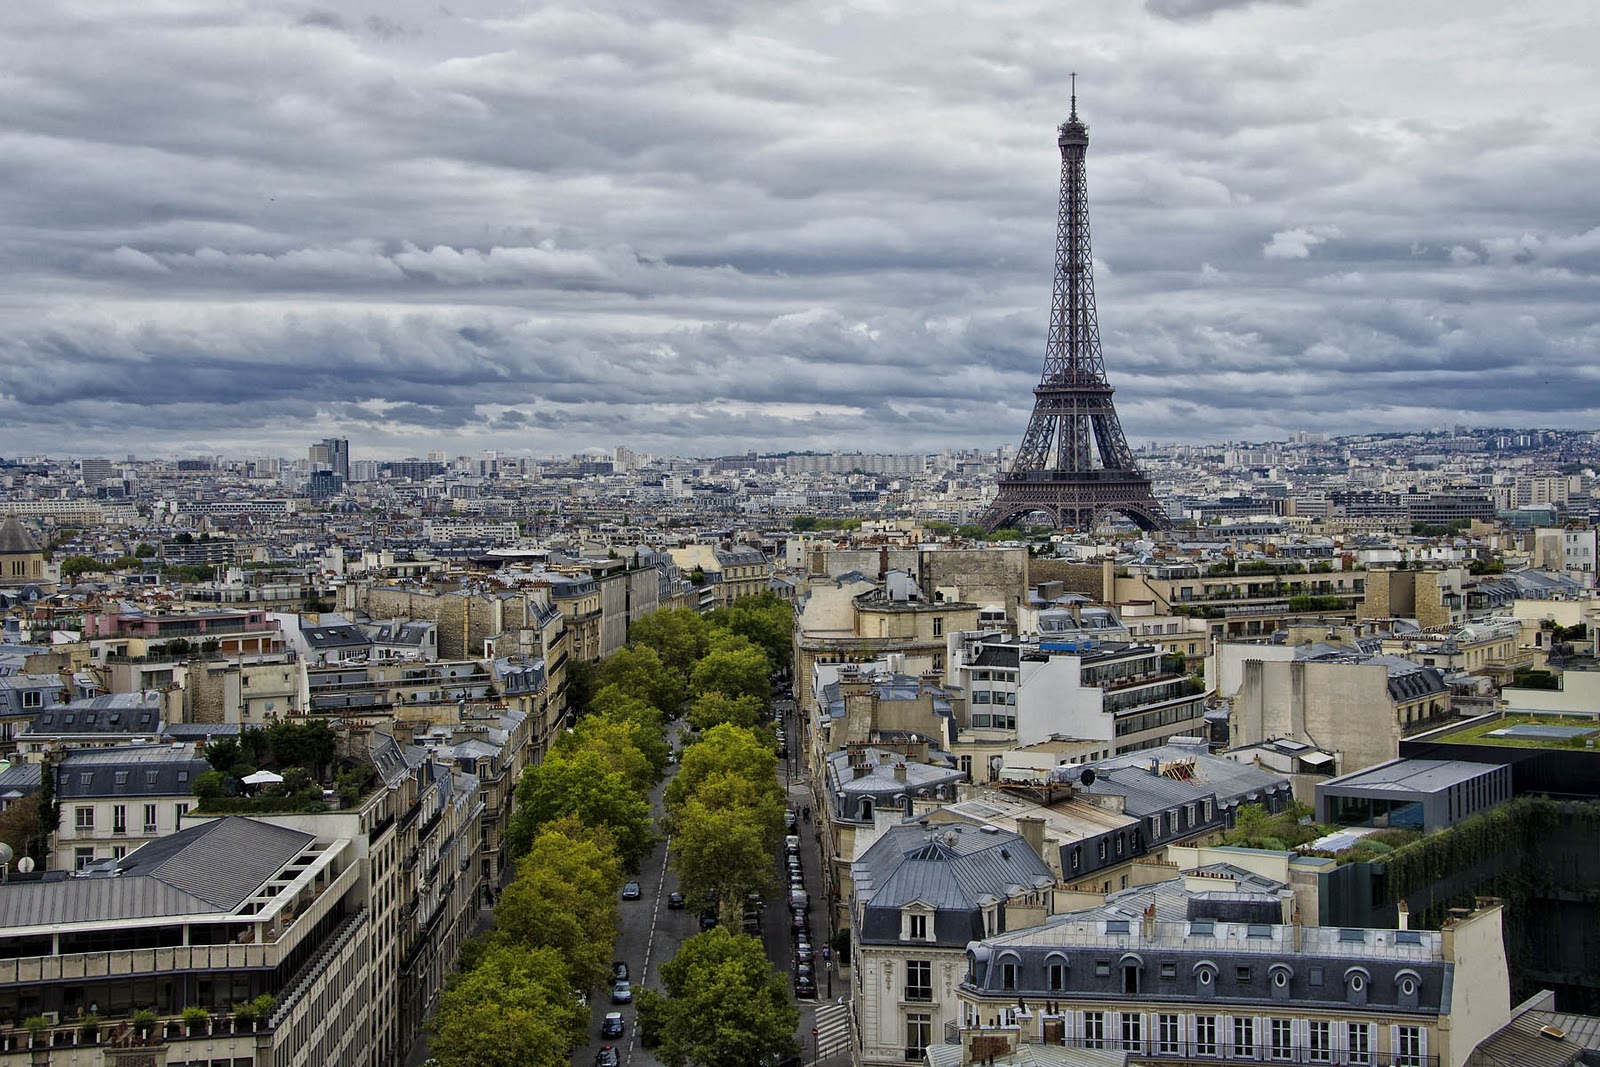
(1031, 827)
(900, 772)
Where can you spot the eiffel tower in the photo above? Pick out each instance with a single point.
(1055, 471)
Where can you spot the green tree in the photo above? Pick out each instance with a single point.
(565, 898)
(766, 619)
(145, 550)
(725, 749)
(514, 1009)
(638, 671)
(582, 784)
(678, 637)
(223, 753)
(733, 672)
(651, 738)
(74, 567)
(616, 740)
(720, 855)
(309, 744)
(761, 804)
(714, 708)
(722, 1005)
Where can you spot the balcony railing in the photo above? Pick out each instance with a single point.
(1154, 1050)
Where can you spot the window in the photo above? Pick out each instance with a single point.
(938, 626)
(1244, 1036)
(919, 980)
(1094, 1029)
(32, 698)
(120, 778)
(1056, 976)
(1358, 1043)
(1280, 1044)
(119, 851)
(149, 818)
(1008, 976)
(1319, 1041)
(119, 819)
(1102, 968)
(1409, 1046)
(150, 778)
(1242, 974)
(1168, 1039)
(918, 927)
(919, 1034)
(1169, 970)
(1205, 1035)
(180, 811)
(81, 858)
(1132, 1032)
(83, 818)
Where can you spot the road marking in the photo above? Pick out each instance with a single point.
(650, 941)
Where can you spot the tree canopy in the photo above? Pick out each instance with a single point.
(722, 1006)
(714, 708)
(766, 620)
(734, 673)
(584, 784)
(638, 671)
(565, 898)
(515, 1008)
(677, 636)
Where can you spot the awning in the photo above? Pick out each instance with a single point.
(1316, 759)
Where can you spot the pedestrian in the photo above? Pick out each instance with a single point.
(806, 812)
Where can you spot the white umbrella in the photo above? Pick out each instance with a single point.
(261, 778)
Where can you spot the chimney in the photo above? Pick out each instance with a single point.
(1031, 827)
(1404, 922)
(900, 772)
(883, 562)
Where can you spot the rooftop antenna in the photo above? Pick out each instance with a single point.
(1074, 94)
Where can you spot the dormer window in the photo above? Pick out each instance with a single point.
(916, 924)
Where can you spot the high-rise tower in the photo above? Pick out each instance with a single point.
(1056, 470)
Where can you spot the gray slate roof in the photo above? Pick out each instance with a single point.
(210, 868)
(133, 770)
(949, 867)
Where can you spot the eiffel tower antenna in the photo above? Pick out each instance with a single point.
(1074, 464)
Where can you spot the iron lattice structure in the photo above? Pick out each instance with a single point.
(1074, 463)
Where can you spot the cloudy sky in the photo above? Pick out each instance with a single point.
(697, 226)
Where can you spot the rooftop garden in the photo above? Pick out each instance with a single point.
(1292, 830)
(286, 767)
(1479, 732)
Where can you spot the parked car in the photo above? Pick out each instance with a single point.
(802, 951)
(631, 891)
(619, 972)
(791, 845)
(622, 993)
(611, 1025)
(708, 920)
(675, 900)
(606, 1057)
(799, 925)
(805, 987)
(798, 901)
(791, 820)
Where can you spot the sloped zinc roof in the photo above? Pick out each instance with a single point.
(214, 867)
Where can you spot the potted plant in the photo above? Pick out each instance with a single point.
(144, 1020)
(196, 1019)
(35, 1025)
(245, 1016)
(89, 1025)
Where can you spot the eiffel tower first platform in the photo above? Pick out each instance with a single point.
(1056, 470)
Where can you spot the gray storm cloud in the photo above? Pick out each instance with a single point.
(718, 226)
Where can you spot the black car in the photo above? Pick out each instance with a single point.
(630, 891)
(619, 972)
(805, 987)
(622, 993)
(675, 900)
(606, 1057)
(611, 1025)
(708, 920)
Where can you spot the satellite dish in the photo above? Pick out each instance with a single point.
(25, 864)
(1087, 777)
(6, 854)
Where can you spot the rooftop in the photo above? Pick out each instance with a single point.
(1512, 729)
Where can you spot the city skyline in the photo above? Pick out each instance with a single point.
(237, 230)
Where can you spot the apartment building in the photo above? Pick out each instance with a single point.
(1231, 981)
(920, 895)
(115, 799)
